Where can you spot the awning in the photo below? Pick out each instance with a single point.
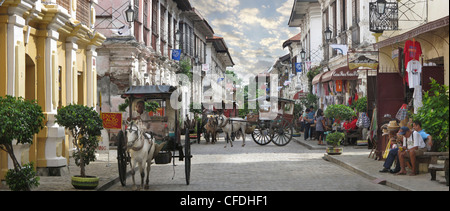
(150, 92)
(300, 95)
(318, 78)
(343, 73)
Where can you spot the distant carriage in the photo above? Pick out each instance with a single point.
(272, 126)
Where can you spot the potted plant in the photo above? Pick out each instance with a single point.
(334, 139)
(20, 120)
(84, 125)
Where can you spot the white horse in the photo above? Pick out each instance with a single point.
(232, 125)
(143, 150)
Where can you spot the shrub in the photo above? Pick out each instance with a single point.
(23, 179)
(339, 112)
(434, 115)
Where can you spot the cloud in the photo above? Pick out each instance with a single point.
(254, 30)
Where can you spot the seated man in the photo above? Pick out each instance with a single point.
(417, 125)
(138, 113)
(351, 131)
(392, 156)
(413, 145)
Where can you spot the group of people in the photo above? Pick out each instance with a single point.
(314, 124)
(414, 143)
(309, 118)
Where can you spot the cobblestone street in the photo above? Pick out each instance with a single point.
(255, 168)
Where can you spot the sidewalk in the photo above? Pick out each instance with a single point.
(106, 171)
(356, 159)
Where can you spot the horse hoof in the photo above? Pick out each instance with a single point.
(243, 145)
(146, 187)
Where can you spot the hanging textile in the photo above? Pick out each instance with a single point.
(330, 88)
(402, 113)
(363, 120)
(412, 51)
(414, 69)
(339, 86)
(417, 98)
(325, 89)
(374, 125)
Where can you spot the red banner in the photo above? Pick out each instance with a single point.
(112, 120)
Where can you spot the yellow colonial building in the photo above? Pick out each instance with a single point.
(48, 54)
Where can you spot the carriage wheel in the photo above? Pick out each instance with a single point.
(261, 135)
(187, 157)
(282, 132)
(122, 158)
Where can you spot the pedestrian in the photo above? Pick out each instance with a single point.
(307, 124)
(427, 138)
(320, 126)
(312, 128)
(413, 145)
(392, 156)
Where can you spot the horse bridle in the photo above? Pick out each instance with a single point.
(134, 141)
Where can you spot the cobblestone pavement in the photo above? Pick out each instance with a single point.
(299, 166)
(255, 168)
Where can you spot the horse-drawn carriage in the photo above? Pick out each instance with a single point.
(269, 126)
(265, 127)
(143, 136)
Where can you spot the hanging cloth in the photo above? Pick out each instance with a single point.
(417, 98)
(339, 86)
(412, 51)
(374, 125)
(402, 113)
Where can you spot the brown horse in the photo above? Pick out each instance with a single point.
(211, 128)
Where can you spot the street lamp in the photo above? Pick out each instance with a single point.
(381, 6)
(129, 13)
(328, 34)
(303, 54)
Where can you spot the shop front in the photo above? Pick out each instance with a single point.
(337, 86)
(407, 62)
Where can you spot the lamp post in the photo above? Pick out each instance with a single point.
(328, 33)
(303, 54)
(129, 14)
(381, 6)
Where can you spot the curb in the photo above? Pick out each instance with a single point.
(365, 174)
(109, 184)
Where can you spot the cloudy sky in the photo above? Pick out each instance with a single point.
(254, 30)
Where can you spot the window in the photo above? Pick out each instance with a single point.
(155, 17)
(136, 10)
(145, 13)
(343, 15)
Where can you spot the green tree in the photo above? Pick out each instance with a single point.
(434, 115)
(19, 120)
(85, 126)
